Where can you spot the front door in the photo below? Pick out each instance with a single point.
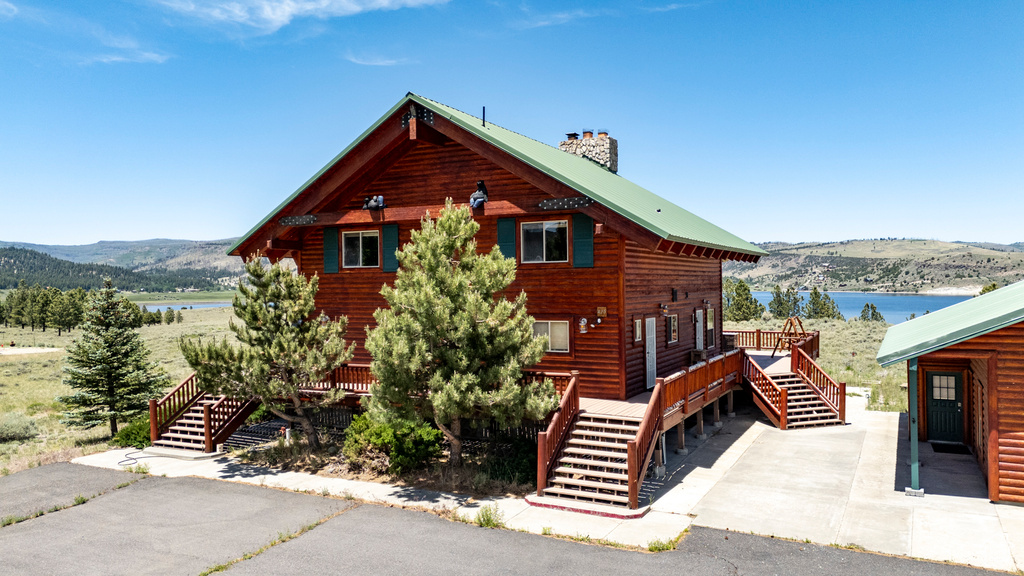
(650, 350)
(945, 407)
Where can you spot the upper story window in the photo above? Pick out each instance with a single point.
(361, 249)
(545, 241)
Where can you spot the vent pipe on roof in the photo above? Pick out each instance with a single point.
(604, 149)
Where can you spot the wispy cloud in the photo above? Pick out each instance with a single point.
(679, 6)
(7, 10)
(121, 49)
(531, 19)
(268, 16)
(375, 60)
(133, 57)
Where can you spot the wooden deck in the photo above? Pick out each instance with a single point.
(632, 408)
(780, 364)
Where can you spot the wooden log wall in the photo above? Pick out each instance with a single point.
(649, 280)
(427, 175)
(979, 413)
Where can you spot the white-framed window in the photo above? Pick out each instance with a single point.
(638, 330)
(672, 324)
(360, 249)
(557, 333)
(710, 340)
(545, 241)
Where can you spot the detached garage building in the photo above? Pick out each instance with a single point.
(966, 383)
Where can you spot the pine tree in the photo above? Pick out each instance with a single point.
(821, 306)
(728, 295)
(449, 345)
(285, 349)
(168, 316)
(61, 311)
(785, 304)
(109, 367)
(178, 317)
(744, 306)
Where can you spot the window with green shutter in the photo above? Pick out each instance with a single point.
(582, 241)
(389, 243)
(507, 237)
(330, 250)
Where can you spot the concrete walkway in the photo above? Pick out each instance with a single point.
(838, 485)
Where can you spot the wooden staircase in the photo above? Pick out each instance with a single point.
(804, 407)
(593, 465)
(187, 433)
(189, 419)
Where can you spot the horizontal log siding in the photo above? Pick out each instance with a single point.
(650, 277)
(1009, 466)
(979, 385)
(555, 291)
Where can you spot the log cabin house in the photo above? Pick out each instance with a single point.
(965, 383)
(626, 285)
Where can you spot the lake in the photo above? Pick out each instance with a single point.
(161, 306)
(895, 307)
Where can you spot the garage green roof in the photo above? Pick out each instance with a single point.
(954, 324)
(589, 178)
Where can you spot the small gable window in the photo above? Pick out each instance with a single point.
(545, 241)
(361, 249)
(557, 333)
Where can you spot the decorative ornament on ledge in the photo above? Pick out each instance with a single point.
(374, 203)
(479, 198)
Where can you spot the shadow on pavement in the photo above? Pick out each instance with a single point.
(946, 474)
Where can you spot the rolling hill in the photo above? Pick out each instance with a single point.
(157, 254)
(886, 265)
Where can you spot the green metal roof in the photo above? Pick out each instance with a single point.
(954, 324)
(647, 209)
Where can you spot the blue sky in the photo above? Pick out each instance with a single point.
(792, 121)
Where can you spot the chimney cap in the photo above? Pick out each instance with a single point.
(602, 132)
(572, 136)
(588, 133)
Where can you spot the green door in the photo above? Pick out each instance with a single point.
(945, 407)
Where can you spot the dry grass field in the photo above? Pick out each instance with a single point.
(29, 383)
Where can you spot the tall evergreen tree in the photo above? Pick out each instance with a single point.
(744, 306)
(785, 304)
(178, 317)
(728, 295)
(109, 367)
(168, 316)
(871, 314)
(821, 306)
(449, 345)
(285, 349)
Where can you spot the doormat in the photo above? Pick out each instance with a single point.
(947, 448)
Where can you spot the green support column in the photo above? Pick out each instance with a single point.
(912, 415)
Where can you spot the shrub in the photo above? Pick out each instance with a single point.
(406, 446)
(260, 415)
(490, 517)
(16, 426)
(513, 460)
(134, 435)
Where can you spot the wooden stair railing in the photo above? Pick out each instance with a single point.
(769, 397)
(223, 417)
(832, 393)
(163, 412)
(640, 449)
(551, 441)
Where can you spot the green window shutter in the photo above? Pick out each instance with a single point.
(330, 250)
(507, 237)
(582, 241)
(389, 243)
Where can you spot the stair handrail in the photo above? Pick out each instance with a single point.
(223, 417)
(550, 442)
(832, 393)
(773, 399)
(175, 403)
(640, 449)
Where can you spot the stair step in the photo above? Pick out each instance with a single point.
(588, 416)
(613, 487)
(589, 496)
(601, 434)
(180, 436)
(595, 453)
(809, 409)
(584, 462)
(583, 442)
(184, 445)
(607, 426)
(808, 423)
(595, 473)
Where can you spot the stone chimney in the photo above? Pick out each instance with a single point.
(604, 149)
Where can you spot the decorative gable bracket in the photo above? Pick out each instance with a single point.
(566, 203)
(421, 114)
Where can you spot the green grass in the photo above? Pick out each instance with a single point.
(490, 517)
(847, 354)
(29, 383)
(183, 297)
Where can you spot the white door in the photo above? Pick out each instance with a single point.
(650, 348)
(700, 329)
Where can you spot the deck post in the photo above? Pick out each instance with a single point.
(700, 425)
(154, 426)
(717, 413)
(542, 465)
(757, 339)
(729, 411)
(207, 429)
(681, 438)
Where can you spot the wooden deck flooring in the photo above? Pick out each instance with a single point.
(632, 408)
(763, 358)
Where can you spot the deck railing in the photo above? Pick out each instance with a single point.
(831, 392)
(698, 381)
(550, 442)
(756, 339)
(640, 449)
(810, 344)
(223, 417)
(559, 379)
(772, 399)
(169, 408)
